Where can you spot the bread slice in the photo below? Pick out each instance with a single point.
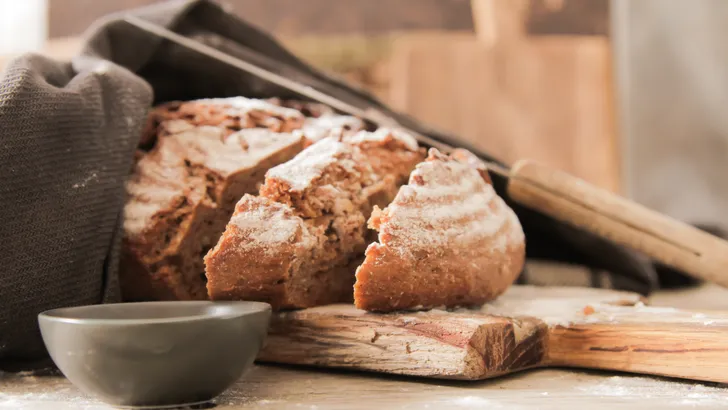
(297, 244)
(203, 156)
(446, 240)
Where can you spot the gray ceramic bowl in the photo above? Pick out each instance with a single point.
(155, 353)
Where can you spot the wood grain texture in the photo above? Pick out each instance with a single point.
(429, 344)
(659, 341)
(578, 203)
(528, 327)
(296, 388)
(543, 98)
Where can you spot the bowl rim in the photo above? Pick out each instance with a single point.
(245, 308)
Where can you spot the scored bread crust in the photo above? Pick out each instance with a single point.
(298, 244)
(198, 158)
(447, 239)
(180, 198)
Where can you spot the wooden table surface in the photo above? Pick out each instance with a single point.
(277, 387)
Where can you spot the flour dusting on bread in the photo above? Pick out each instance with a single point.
(329, 190)
(446, 239)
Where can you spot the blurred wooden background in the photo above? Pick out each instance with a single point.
(519, 78)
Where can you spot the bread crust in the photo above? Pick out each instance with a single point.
(196, 160)
(328, 191)
(446, 240)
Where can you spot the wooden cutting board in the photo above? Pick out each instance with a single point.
(525, 328)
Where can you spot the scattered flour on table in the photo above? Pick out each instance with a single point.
(277, 404)
(25, 373)
(642, 387)
(473, 401)
(15, 387)
(266, 402)
(34, 400)
(468, 402)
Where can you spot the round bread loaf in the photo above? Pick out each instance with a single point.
(447, 240)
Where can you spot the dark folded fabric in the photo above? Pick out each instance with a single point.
(66, 147)
(68, 137)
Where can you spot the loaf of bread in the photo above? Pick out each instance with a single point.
(194, 227)
(298, 243)
(446, 240)
(197, 160)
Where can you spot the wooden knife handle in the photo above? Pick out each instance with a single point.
(601, 212)
(659, 341)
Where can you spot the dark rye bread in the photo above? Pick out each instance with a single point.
(446, 240)
(298, 244)
(198, 159)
